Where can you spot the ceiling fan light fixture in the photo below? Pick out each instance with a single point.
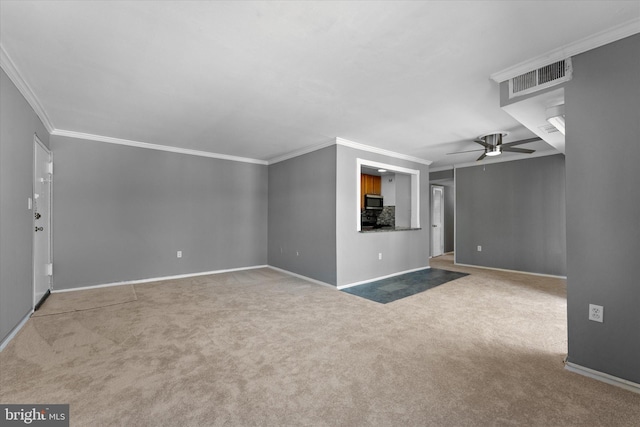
(492, 143)
(493, 146)
(493, 139)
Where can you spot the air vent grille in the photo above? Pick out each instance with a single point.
(525, 81)
(551, 72)
(548, 128)
(543, 77)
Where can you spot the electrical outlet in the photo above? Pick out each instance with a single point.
(596, 313)
(379, 255)
(179, 254)
(479, 248)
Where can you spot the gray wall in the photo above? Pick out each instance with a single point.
(449, 217)
(442, 175)
(120, 213)
(388, 190)
(302, 215)
(357, 253)
(603, 208)
(516, 211)
(18, 123)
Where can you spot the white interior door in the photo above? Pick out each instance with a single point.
(437, 220)
(42, 267)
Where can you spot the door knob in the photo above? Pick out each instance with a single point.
(39, 228)
(433, 225)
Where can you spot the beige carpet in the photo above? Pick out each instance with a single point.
(266, 349)
(65, 302)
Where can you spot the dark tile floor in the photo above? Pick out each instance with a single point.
(404, 285)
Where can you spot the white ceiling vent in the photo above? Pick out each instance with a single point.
(548, 128)
(543, 77)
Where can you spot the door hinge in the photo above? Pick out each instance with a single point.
(50, 168)
(49, 268)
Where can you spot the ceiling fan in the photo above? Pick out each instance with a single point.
(493, 146)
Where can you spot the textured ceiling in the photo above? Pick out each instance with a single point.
(261, 79)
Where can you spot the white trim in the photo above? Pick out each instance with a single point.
(593, 41)
(358, 146)
(15, 330)
(300, 152)
(347, 143)
(158, 279)
(455, 212)
(300, 276)
(510, 271)
(415, 201)
(415, 189)
(383, 277)
(391, 168)
(601, 376)
(38, 142)
(138, 144)
(432, 187)
(15, 76)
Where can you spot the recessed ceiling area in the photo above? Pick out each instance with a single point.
(531, 113)
(263, 79)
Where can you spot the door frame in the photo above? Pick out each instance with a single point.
(37, 143)
(441, 243)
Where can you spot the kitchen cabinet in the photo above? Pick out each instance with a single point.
(369, 184)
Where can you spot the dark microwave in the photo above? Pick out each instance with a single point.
(372, 201)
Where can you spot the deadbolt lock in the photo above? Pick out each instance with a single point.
(37, 215)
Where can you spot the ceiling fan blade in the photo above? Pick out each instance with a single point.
(481, 157)
(481, 142)
(517, 150)
(522, 141)
(468, 151)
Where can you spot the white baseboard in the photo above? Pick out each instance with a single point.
(15, 330)
(282, 270)
(157, 279)
(510, 271)
(601, 376)
(383, 277)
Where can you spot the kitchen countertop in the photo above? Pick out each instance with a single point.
(369, 229)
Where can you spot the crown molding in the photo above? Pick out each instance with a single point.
(138, 144)
(296, 153)
(15, 76)
(347, 143)
(610, 35)
(358, 146)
